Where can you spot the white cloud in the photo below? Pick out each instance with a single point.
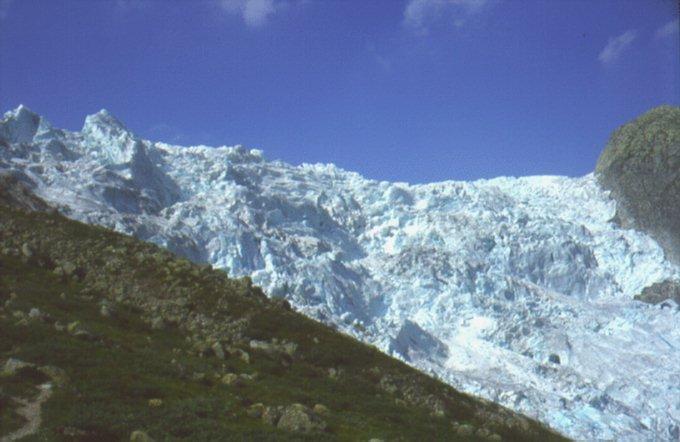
(616, 46)
(255, 13)
(669, 29)
(4, 8)
(418, 14)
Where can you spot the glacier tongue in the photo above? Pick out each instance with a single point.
(516, 289)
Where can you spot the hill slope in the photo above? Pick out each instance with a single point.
(520, 290)
(123, 336)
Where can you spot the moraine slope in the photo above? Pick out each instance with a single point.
(519, 290)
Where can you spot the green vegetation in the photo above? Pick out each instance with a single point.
(133, 338)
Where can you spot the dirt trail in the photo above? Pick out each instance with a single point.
(30, 410)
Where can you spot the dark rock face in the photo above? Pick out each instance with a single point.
(660, 292)
(15, 191)
(641, 168)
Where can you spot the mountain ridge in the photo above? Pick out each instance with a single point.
(516, 289)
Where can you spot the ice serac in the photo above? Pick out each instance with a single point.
(516, 289)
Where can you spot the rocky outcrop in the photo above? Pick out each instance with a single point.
(660, 292)
(641, 168)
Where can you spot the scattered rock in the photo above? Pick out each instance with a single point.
(72, 326)
(231, 379)
(248, 376)
(321, 409)
(140, 436)
(12, 366)
(57, 375)
(271, 415)
(218, 350)
(198, 377)
(256, 410)
(298, 418)
(35, 313)
(27, 251)
(105, 311)
(465, 430)
(157, 323)
(482, 433)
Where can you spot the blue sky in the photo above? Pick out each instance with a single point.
(406, 90)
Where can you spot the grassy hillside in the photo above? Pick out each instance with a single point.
(130, 338)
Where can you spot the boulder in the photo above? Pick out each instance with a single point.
(231, 379)
(12, 366)
(256, 410)
(57, 375)
(465, 430)
(271, 415)
(298, 418)
(218, 350)
(660, 291)
(140, 436)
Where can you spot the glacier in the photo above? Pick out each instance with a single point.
(519, 290)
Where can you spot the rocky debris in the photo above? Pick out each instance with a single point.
(57, 375)
(140, 436)
(321, 409)
(641, 167)
(35, 313)
(27, 251)
(218, 350)
(241, 354)
(255, 410)
(298, 418)
(411, 392)
(659, 292)
(157, 323)
(272, 414)
(283, 351)
(12, 366)
(274, 347)
(30, 410)
(465, 430)
(335, 373)
(106, 310)
(232, 379)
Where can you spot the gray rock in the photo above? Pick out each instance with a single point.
(27, 250)
(218, 350)
(255, 410)
(660, 291)
(465, 430)
(14, 365)
(641, 168)
(157, 323)
(57, 375)
(271, 415)
(298, 418)
(140, 436)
